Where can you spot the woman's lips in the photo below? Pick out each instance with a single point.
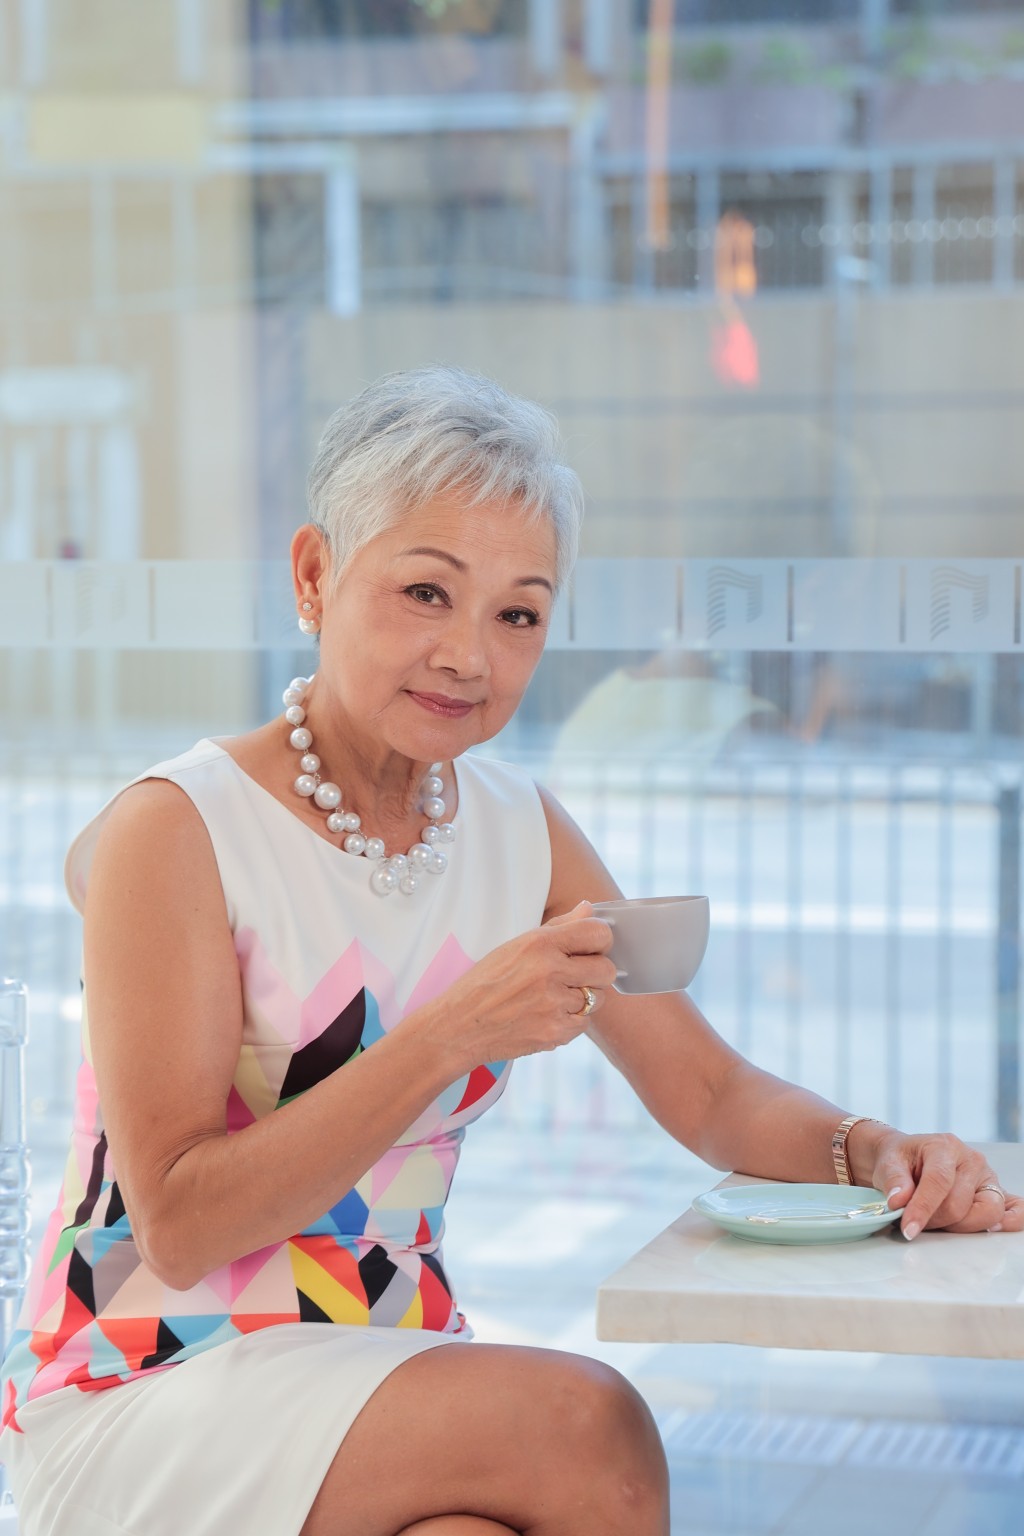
(441, 704)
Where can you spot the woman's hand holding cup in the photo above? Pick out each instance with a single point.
(534, 993)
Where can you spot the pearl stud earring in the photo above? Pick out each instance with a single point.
(309, 626)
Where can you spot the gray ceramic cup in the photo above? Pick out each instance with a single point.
(658, 942)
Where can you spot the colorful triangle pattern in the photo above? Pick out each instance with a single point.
(96, 1315)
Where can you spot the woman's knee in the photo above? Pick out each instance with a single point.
(609, 1435)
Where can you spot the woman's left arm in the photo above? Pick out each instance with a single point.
(738, 1117)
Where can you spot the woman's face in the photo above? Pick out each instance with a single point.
(434, 630)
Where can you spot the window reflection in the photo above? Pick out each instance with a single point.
(775, 317)
(771, 280)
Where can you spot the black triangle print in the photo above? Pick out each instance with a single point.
(80, 1281)
(115, 1210)
(309, 1312)
(167, 1344)
(376, 1271)
(338, 1043)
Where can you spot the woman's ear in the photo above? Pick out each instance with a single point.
(309, 564)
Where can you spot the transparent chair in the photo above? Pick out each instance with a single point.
(14, 1181)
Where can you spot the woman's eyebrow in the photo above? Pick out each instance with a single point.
(460, 565)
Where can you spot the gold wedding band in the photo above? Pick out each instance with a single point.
(994, 1189)
(589, 1002)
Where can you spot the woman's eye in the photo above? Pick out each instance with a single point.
(426, 594)
(521, 618)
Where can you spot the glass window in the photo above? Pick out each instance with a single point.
(765, 261)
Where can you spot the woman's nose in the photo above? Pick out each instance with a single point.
(462, 650)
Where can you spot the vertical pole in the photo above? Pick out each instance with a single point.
(709, 199)
(923, 203)
(341, 225)
(844, 277)
(880, 214)
(35, 41)
(1004, 200)
(14, 1170)
(544, 28)
(657, 231)
(874, 22)
(1008, 947)
(189, 27)
(599, 24)
(588, 273)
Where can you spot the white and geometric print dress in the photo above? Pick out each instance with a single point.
(107, 1359)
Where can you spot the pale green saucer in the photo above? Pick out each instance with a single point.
(797, 1213)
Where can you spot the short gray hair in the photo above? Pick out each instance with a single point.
(416, 434)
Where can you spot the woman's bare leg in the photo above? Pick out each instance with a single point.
(458, 1525)
(532, 1440)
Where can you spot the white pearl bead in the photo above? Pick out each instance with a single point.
(399, 863)
(433, 807)
(328, 796)
(419, 855)
(383, 880)
(432, 785)
(292, 696)
(300, 684)
(309, 626)
(336, 822)
(355, 843)
(374, 848)
(295, 714)
(309, 763)
(431, 835)
(351, 821)
(438, 862)
(301, 739)
(436, 767)
(305, 784)
(408, 884)
(447, 832)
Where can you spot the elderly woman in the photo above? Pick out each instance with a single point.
(311, 954)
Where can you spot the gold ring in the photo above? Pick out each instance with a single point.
(994, 1189)
(589, 1003)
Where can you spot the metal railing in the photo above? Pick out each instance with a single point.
(866, 923)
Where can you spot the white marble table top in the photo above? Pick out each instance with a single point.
(942, 1294)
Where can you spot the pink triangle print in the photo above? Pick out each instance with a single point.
(450, 962)
(336, 988)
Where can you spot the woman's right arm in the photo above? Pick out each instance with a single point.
(165, 1026)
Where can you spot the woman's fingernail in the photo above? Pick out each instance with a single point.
(894, 1191)
(997, 1228)
(911, 1230)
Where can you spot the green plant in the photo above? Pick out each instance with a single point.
(910, 50)
(706, 63)
(784, 61)
(837, 77)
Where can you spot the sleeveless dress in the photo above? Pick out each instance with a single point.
(107, 1366)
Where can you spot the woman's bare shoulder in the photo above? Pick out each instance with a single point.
(148, 809)
(154, 840)
(577, 872)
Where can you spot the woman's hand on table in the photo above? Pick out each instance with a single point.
(939, 1182)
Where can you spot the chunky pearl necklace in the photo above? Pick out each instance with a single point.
(402, 871)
